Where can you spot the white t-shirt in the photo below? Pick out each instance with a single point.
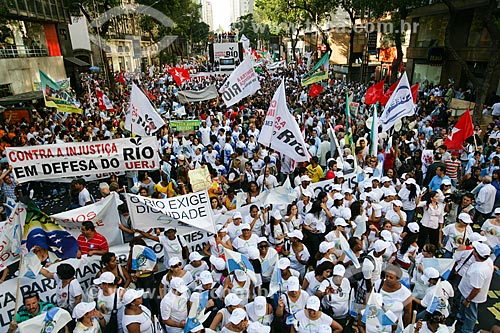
(455, 237)
(444, 293)
(294, 307)
(338, 301)
(234, 231)
(242, 245)
(172, 248)
(478, 275)
(95, 328)
(195, 271)
(390, 299)
(370, 271)
(144, 320)
(73, 288)
(105, 305)
(492, 233)
(174, 307)
(84, 197)
(306, 325)
(314, 284)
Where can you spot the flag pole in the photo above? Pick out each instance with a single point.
(18, 290)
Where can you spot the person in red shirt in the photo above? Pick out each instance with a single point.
(90, 242)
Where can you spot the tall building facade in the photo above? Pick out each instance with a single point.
(207, 13)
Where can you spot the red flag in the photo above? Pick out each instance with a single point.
(385, 97)
(180, 75)
(121, 78)
(374, 93)
(315, 90)
(463, 129)
(414, 92)
(100, 101)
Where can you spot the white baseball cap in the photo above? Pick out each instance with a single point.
(380, 245)
(446, 182)
(386, 235)
(83, 308)
(232, 300)
(106, 277)
(429, 273)
(256, 327)
(237, 316)
(131, 295)
(296, 234)
(397, 203)
(237, 215)
(413, 227)
(260, 306)
(313, 303)
(307, 193)
(284, 263)
(339, 174)
(305, 178)
(410, 181)
(497, 211)
(340, 222)
(277, 215)
(385, 179)
(338, 196)
(293, 283)
(325, 246)
(218, 263)
(195, 256)
(245, 226)
(262, 240)
(390, 191)
(240, 275)
(465, 218)
(206, 277)
(174, 261)
(339, 270)
(482, 249)
(477, 237)
(178, 284)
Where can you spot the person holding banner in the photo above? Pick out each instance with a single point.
(32, 307)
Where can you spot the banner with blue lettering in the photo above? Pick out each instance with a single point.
(83, 158)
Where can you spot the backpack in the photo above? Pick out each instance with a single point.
(358, 275)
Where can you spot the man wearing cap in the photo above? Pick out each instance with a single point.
(305, 184)
(238, 322)
(174, 307)
(312, 319)
(474, 286)
(173, 244)
(32, 307)
(234, 226)
(246, 240)
(372, 266)
(196, 265)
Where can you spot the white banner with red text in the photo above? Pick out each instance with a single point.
(83, 158)
(104, 214)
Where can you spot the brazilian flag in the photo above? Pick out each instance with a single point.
(318, 72)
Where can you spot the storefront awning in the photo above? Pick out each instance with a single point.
(77, 61)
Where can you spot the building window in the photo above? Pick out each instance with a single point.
(431, 31)
(5, 90)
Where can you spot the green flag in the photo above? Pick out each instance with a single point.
(348, 134)
(318, 72)
(56, 96)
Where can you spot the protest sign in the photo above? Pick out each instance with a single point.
(191, 209)
(82, 158)
(10, 237)
(241, 83)
(184, 125)
(101, 177)
(104, 214)
(200, 179)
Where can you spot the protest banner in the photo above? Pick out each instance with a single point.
(101, 177)
(327, 185)
(82, 158)
(200, 179)
(190, 96)
(192, 209)
(10, 237)
(241, 83)
(184, 125)
(104, 214)
(86, 271)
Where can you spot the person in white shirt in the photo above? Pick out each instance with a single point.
(269, 181)
(443, 290)
(173, 307)
(485, 201)
(474, 286)
(313, 320)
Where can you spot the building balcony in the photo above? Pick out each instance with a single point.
(13, 51)
(468, 53)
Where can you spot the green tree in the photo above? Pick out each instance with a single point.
(281, 19)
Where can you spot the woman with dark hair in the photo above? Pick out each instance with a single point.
(432, 219)
(292, 218)
(136, 317)
(313, 279)
(252, 192)
(217, 207)
(68, 290)
(314, 226)
(393, 175)
(276, 230)
(110, 264)
(146, 182)
(409, 248)
(408, 195)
